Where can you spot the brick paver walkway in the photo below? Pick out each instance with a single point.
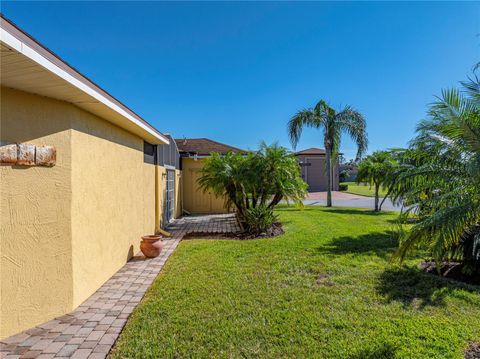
(213, 223)
(91, 330)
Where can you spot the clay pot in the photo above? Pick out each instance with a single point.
(151, 246)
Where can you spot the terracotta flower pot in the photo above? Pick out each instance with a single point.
(151, 246)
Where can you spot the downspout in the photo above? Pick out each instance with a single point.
(157, 199)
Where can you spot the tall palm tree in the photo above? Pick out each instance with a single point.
(333, 124)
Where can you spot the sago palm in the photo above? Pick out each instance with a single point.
(333, 124)
(440, 177)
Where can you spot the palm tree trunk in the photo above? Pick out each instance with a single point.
(276, 200)
(383, 200)
(329, 176)
(376, 197)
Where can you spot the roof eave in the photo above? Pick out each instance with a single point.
(17, 40)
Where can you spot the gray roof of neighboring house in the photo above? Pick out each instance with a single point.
(204, 146)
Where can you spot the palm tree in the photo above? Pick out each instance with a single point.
(440, 178)
(257, 180)
(333, 124)
(377, 169)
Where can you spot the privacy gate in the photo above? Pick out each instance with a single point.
(170, 196)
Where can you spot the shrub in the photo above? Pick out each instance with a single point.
(343, 187)
(259, 219)
(343, 175)
(254, 180)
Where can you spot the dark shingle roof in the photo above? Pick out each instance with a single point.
(204, 146)
(311, 151)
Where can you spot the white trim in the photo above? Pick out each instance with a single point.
(10, 40)
(27, 51)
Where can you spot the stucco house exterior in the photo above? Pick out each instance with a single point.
(193, 153)
(312, 163)
(82, 178)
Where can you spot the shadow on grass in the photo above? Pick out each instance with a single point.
(412, 287)
(359, 211)
(381, 244)
(292, 208)
(338, 210)
(383, 351)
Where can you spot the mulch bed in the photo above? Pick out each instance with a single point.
(473, 351)
(451, 270)
(276, 230)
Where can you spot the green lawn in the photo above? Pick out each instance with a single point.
(363, 190)
(325, 289)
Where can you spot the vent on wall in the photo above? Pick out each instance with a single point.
(166, 155)
(149, 153)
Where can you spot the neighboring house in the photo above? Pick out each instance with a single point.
(82, 178)
(193, 152)
(312, 163)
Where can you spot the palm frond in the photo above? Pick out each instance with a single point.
(303, 118)
(354, 124)
(439, 177)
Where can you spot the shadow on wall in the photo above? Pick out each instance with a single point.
(54, 116)
(412, 287)
(130, 253)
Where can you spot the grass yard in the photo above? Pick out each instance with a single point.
(325, 289)
(363, 189)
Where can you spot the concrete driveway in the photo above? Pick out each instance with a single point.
(342, 199)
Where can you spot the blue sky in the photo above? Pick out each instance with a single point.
(237, 72)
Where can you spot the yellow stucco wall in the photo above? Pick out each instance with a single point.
(195, 201)
(113, 201)
(65, 230)
(35, 222)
